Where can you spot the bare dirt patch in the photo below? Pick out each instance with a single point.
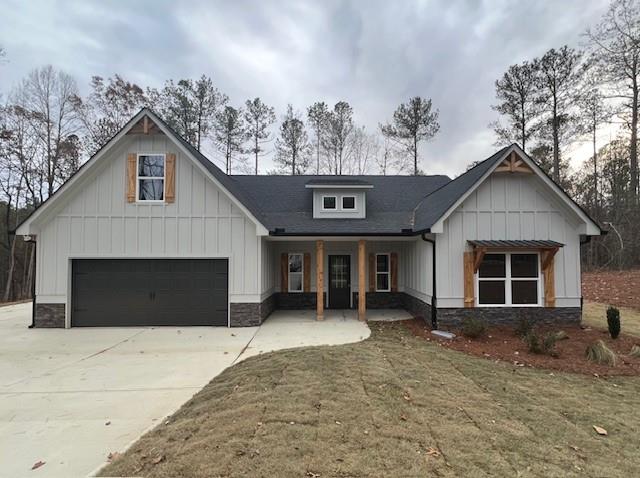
(619, 288)
(501, 343)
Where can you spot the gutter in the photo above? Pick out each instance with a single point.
(434, 300)
(279, 232)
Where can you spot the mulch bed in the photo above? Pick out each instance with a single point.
(619, 288)
(501, 343)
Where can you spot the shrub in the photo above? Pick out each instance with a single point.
(635, 351)
(542, 345)
(524, 327)
(473, 327)
(601, 354)
(613, 320)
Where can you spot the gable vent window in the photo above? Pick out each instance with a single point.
(348, 202)
(151, 176)
(296, 272)
(329, 202)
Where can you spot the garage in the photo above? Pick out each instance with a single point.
(149, 292)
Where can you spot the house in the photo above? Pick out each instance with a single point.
(150, 232)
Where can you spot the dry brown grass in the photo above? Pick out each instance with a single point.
(394, 405)
(595, 315)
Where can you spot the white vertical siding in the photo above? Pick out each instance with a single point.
(416, 269)
(98, 222)
(509, 207)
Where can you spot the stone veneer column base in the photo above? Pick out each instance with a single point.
(49, 316)
(511, 315)
(251, 314)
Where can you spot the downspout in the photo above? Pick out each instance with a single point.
(434, 300)
(32, 240)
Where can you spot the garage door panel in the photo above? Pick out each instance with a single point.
(145, 292)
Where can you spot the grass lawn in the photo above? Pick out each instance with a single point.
(393, 405)
(595, 315)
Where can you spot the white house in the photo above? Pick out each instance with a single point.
(150, 232)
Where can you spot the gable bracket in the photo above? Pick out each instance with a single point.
(513, 164)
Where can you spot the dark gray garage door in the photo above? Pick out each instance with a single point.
(139, 292)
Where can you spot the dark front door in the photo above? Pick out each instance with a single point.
(145, 292)
(339, 282)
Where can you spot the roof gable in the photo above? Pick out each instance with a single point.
(436, 208)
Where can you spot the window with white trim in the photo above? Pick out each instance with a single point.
(510, 278)
(329, 202)
(383, 272)
(151, 175)
(296, 272)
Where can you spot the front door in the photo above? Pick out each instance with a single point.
(339, 282)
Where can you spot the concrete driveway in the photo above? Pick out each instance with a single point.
(70, 397)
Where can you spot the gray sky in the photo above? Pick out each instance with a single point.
(373, 54)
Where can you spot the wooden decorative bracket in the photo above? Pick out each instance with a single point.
(546, 257)
(478, 255)
(513, 164)
(145, 126)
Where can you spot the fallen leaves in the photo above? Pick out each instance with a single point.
(431, 451)
(158, 459)
(114, 455)
(600, 430)
(38, 464)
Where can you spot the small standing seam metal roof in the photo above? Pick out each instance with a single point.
(518, 244)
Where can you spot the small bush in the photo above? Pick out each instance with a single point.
(473, 327)
(635, 351)
(542, 345)
(524, 327)
(601, 354)
(613, 320)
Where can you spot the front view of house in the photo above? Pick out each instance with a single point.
(150, 232)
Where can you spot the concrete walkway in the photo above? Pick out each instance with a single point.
(70, 397)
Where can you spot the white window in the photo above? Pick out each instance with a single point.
(348, 202)
(509, 279)
(296, 272)
(383, 267)
(150, 182)
(329, 202)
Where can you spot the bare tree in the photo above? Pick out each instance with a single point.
(516, 93)
(258, 118)
(412, 123)
(49, 96)
(292, 146)
(558, 75)
(615, 44)
(339, 132)
(106, 109)
(229, 135)
(318, 116)
(189, 107)
(363, 151)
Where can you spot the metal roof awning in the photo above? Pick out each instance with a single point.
(518, 244)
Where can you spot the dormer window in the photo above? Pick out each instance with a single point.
(329, 202)
(348, 202)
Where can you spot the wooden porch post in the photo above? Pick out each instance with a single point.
(320, 280)
(362, 285)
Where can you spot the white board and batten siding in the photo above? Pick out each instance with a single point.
(97, 222)
(416, 269)
(509, 207)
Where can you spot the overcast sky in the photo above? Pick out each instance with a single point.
(373, 54)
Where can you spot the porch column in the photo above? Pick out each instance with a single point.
(319, 280)
(362, 289)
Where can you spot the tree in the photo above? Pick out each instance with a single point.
(49, 96)
(615, 44)
(106, 109)
(558, 76)
(516, 93)
(189, 107)
(292, 146)
(413, 122)
(364, 149)
(339, 131)
(258, 118)
(229, 134)
(318, 116)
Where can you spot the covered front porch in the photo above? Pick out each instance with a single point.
(362, 278)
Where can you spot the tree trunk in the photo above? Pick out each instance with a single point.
(415, 155)
(256, 150)
(556, 142)
(633, 149)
